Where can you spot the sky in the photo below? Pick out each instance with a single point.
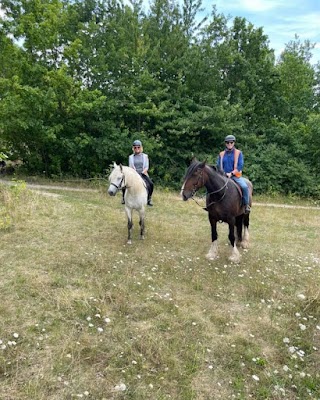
(280, 19)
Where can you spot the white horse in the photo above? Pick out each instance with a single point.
(135, 195)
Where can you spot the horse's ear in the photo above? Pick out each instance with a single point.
(114, 164)
(120, 165)
(193, 160)
(202, 164)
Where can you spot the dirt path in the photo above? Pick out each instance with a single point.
(42, 188)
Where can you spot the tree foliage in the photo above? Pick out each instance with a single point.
(79, 80)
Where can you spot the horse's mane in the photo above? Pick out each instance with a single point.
(202, 164)
(132, 174)
(217, 169)
(195, 164)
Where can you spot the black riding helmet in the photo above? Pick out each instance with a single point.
(230, 138)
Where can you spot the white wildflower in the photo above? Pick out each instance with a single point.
(292, 349)
(256, 378)
(286, 368)
(120, 388)
(99, 329)
(16, 335)
(301, 296)
(302, 327)
(286, 340)
(107, 320)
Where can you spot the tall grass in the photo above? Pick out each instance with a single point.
(83, 315)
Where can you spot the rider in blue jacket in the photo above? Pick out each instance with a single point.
(231, 162)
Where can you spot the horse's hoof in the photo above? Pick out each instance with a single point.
(211, 258)
(129, 242)
(245, 244)
(235, 260)
(141, 237)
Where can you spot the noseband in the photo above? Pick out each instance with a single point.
(118, 187)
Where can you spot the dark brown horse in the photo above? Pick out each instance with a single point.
(223, 203)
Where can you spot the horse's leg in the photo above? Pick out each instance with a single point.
(235, 255)
(141, 223)
(239, 224)
(213, 251)
(245, 240)
(130, 224)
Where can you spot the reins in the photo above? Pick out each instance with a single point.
(225, 186)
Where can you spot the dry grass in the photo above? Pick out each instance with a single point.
(83, 314)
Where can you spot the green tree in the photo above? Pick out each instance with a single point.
(297, 80)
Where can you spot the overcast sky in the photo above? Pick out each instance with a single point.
(280, 19)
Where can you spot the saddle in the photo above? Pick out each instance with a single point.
(237, 186)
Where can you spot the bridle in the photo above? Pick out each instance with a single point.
(121, 185)
(195, 189)
(196, 185)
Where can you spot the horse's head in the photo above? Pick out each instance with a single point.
(116, 179)
(193, 179)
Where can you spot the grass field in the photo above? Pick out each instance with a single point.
(83, 315)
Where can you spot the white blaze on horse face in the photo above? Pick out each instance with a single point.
(185, 194)
(182, 192)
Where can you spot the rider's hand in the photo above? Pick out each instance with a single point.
(229, 174)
